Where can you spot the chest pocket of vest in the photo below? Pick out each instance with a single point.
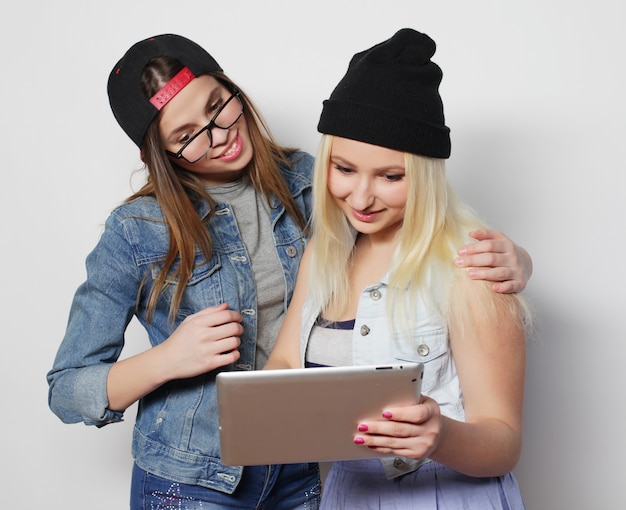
(430, 348)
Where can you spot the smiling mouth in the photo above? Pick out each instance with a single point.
(233, 150)
(365, 216)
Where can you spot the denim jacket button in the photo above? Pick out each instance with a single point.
(291, 251)
(365, 330)
(423, 350)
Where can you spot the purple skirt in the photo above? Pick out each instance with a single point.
(362, 484)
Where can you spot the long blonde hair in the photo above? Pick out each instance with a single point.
(436, 222)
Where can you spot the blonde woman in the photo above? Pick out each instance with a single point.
(378, 284)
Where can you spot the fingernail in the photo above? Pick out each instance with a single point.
(458, 261)
(359, 440)
(362, 427)
(462, 251)
(386, 414)
(472, 274)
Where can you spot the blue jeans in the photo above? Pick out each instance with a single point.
(276, 487)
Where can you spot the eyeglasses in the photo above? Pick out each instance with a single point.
(197, 147)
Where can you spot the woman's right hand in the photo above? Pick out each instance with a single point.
(204, 341)
(411, 431)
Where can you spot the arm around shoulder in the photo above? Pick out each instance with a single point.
(496, 258)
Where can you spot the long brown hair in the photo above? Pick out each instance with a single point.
(177, 190)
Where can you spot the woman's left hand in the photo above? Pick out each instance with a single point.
(411, 431)
(497, 259)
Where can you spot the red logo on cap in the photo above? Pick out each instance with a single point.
(171, 88)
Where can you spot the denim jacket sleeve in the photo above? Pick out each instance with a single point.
(101, 310)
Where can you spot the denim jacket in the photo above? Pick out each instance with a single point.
(176, 431)
(374, 342)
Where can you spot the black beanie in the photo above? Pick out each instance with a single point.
(389, 97)
(132, 109)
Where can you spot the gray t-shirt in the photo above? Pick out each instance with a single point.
(253, 215)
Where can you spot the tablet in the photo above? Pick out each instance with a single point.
(307, 414)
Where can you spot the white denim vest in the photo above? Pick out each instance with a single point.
(375, 342)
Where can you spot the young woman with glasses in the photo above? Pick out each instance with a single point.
(205, 255)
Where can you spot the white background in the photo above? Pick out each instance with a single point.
(534, 94)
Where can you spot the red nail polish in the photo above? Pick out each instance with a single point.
(359, 440)
(362, 427)
(386, 414)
